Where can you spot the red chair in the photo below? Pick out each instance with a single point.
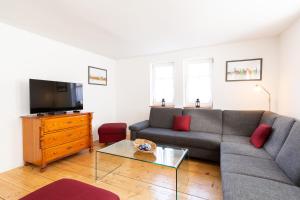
(112, 132)
(68, 189)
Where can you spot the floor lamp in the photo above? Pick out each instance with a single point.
(259, 88)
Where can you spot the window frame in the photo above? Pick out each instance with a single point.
(185, 84)
(152, 78)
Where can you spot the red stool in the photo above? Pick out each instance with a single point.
(68, 189)
(112, 132)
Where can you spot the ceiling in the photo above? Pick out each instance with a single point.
(127, 28)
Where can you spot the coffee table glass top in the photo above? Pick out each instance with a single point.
(163, 155)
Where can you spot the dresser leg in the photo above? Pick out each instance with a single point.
(26, 163)
(43, 168)
(91, 149)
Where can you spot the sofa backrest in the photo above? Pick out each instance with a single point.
(241, 123)
(163, 117)
(281, 129)
(268, 118)
(204, 120)
(288, 158)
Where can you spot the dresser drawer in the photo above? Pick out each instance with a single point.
(66, 149)
(65, 122)
(64, 136)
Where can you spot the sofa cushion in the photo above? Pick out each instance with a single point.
(207, 154)
(236, 139)
(260, 135)
(159, 135)
(204, 120)
(163, 117)
(202, 140)
(289, 156)
(281, 129)
(241, 123)
(268, 118)
(252, 166)
(241, 187)
(244, 149)
(182, 123)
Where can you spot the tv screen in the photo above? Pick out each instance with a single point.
(53, 96)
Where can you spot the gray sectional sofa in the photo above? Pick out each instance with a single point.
(269, 173)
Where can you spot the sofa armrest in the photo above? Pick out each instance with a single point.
(139, 126)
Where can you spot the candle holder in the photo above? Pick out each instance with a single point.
(163, 103)
(197, 103)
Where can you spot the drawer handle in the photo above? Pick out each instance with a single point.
(69, 135)
(69, 122)
(69, 148)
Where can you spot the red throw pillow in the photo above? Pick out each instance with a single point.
(260, 135)
(182, 123)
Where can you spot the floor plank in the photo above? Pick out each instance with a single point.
(132, 180)
(10, 191)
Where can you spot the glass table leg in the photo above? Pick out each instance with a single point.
(96, 166)
(182, 177)
(177, 184)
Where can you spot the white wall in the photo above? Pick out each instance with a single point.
(133, 78)
(24, 55)
(289, 95)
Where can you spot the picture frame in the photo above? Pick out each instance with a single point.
(244, 70)
(97, 76)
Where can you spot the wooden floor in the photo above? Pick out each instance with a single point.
(133, 180)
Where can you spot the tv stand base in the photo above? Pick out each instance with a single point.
(56, 113)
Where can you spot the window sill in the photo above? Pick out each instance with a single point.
(159, 106)
(202, 107)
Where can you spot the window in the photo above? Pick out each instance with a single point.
(162, 83)
(197, 82)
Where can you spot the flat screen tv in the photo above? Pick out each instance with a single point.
(54, 96)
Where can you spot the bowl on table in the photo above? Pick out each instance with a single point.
(144, 146)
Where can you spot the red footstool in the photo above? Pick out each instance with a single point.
(112, 132)
(68, 189)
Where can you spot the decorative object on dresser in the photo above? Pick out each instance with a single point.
(52, 137)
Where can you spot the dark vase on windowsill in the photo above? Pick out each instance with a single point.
(163, 103)
(197, 103)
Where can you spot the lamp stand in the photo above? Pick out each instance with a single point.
(269, 96)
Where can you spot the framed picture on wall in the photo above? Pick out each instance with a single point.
(244, 70)
(97, 76)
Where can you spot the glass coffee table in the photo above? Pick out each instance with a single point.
(166, 156)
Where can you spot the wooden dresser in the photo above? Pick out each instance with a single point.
(49, 138)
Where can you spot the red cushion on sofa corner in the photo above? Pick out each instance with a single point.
(260, 135)
(182, 123)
